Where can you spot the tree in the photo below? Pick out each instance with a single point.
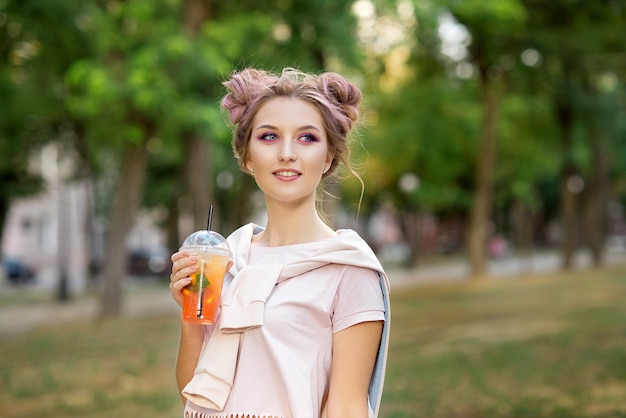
(227, 37)
(494, 27)
(34, 60)
(577, 40)
(492, 31)
(132, 89)
(159, 77)
(32, 64)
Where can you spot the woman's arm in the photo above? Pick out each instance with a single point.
(191, 339)
(354, 355)
(191, 335)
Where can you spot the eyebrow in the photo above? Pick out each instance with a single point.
(302, 128)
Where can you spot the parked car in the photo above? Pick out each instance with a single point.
(17, 272)
(147, 262)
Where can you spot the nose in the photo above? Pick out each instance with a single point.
(286, 151)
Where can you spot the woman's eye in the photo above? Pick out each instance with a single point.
(308, 138)
(268, 137)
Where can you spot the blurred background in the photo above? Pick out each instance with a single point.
(493, 138)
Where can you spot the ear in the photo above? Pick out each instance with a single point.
(329, 160)
(249, 167)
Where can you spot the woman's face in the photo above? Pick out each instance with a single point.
(288, 150)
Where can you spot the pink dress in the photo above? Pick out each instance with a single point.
(284, 366)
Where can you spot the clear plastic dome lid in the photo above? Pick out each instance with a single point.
(206, 241)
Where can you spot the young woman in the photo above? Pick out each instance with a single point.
(303, 326)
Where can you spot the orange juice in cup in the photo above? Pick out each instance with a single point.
(201, 298)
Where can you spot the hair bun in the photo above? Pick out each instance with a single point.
(344, 93)
(242, 88)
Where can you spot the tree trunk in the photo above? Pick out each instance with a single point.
(63, 241)
(569, 221)
(478, 228)
(125, 204)
(171, 226)
(4, 211)
(568, 218)
(239, 205)
(410, 222)
(85, 170)
(522, 222)
(90, 232)
(195, 13)
(198, 165)
(596, 197)
(197, 171)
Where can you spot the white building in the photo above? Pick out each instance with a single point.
(48, 230)
(54, 232)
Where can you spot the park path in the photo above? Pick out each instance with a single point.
(157, 300)
(33, 315)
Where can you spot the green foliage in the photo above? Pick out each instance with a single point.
(493, 17)
(96, 75)
(571, 72)
(32, 60)
(435, 150)
(528, 149)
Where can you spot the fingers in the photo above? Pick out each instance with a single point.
(183, 265)
(178, 285)
(179, 255)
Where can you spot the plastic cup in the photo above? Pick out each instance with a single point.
(201, 298)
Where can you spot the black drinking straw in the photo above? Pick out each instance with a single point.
(201, 295)
(208, 222)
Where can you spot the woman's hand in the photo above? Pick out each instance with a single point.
(183, 266)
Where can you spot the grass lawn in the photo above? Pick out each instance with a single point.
(549, 346)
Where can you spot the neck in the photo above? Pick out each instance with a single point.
(287, 225)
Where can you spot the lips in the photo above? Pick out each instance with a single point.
(287, 174)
